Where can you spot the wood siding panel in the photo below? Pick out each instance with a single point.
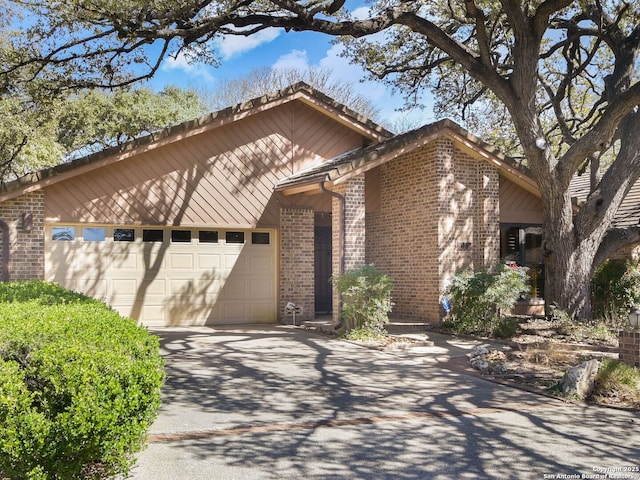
(222, 177)
(517, 205)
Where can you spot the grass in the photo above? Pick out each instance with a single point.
(617, 383)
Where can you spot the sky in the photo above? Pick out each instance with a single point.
(276, 48)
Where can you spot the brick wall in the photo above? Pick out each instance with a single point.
(26, 247)
(629, 252)
(297, 261)
(630, 347)
(468, 208)
(438, 213)
(402, 234)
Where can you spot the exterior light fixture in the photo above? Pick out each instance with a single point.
(27, 221)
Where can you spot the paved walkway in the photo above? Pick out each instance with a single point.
(274, 402)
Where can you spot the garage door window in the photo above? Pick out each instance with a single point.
(208, 236)
(63, 234)
(154, 235)
(123, 235)
(94, 234)
(260, 238)
(181, 236)
(235, 237)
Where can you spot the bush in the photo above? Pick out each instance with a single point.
(479, 301)
(79, 384)
(366, 301)
(615, 289)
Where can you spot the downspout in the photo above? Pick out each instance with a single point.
(341, 238)
(5, 250)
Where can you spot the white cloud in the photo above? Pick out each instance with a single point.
(231, 46)
(180, 63)
(295, 60)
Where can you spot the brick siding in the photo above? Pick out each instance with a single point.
(438, 214)
(630, 347)
(297, 283)
(26, 253)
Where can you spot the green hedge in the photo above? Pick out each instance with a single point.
(79, 384)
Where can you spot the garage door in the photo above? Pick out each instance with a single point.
(169, 276)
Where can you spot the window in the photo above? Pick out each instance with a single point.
(208, 236)
(181, 236)
(260, 238)
(123, 235)
(155, 235)
(94, 234)
(522, 244)
(235, 237)
(63, 234)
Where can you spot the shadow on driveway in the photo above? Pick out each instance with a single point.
(280, 402)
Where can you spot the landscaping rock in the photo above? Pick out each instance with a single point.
(488, 362)
(478, 351)
(579, 381)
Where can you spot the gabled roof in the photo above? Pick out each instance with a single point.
(345, 166)
(300, 91)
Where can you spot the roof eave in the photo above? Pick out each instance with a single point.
(300, 91)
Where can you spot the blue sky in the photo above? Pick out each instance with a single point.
(275, 48)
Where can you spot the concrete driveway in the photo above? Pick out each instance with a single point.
(278, 402)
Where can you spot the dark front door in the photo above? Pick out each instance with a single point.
(324, 298)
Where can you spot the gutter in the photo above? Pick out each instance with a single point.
(5, 251)
(341, 238)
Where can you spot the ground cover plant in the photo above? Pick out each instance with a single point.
(79, 384)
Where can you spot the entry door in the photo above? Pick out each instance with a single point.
(324, 297)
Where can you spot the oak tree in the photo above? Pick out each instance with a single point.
(565, 72)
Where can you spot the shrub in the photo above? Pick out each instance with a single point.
(615, 289)
(479, 301)
(79, 384)
(366, 301)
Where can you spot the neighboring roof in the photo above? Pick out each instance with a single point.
(300, 91)
(628, 215)
(352, 163)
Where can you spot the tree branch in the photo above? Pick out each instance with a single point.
(614, 240)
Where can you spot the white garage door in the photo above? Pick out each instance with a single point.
(169, 276)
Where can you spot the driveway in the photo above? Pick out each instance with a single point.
(279, 402)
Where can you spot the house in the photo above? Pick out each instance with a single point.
(226, 218)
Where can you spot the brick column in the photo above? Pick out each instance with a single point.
(630, 347)
(354, 245)
(297, 267)
(26, 242)
(354, 230)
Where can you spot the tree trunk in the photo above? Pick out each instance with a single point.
(568, 272)
(569, 254)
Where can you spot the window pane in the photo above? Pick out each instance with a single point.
(63, 234)
(181, 236)
(235, 237)
(94, 234)
(152, 235)
(208, 236)
(260, 238)
(124, 235)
